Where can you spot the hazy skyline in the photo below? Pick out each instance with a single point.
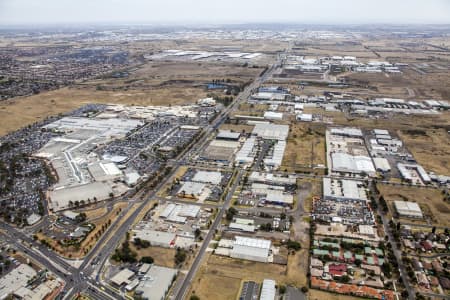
(25, 12)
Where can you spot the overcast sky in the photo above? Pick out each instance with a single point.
(223, 11)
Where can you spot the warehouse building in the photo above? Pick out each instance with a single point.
(191, 189)
(408, 209)
(275, 160)
(268, 290)
(251, 249)
(15, 280)
(156, 238)
(271, 131)
(228, 135)
(413, 173)
(347, 163)
(241, 224)
(220, 150)
(247, 152)
(347, 131)
(208, 177)
(124, 277)
(156, 283)
(271, 115)
(382, 164)
(270, 178)
(342, 189)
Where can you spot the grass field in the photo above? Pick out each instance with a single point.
(305, 147)
(229, 273)
(162, 256)
(222, 277)
(431, 149)
(213, 286)
(321, 295)
(430, 201)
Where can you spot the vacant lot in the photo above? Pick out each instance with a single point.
(430, 201)
(229, 273)
(163, 256)
(308, 188)
(321, 295)
(305, 147)
(213, 286)
(430, 148)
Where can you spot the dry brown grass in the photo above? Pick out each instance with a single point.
(213, 286)
(305, 147)
(162, 256)
(432, 150)
(321, 295)
(229, 273)
(95, 213)
(429, 199)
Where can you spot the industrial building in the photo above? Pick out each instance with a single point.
(382, 164)
(273, 195)
(347, 163)
(347, 152)
(271, 178)
(155, 284)
(15, 280)
(276, 157)
(245, 225)
(268, 290)
(271, 115)
(179, 213)
(191, 189)
(63, 198)
(247, 153)
(156, 238)
(343, 189)
(211, 177)
(304, 117)
(251, 249)
(408, 209)
(228, 135)
(220, 150)
(271, 131)
(122, 278)
(413, 173)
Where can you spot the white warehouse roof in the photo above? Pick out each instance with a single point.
(411, 209)
(271, 115)
(212, 177)
(382, 164)
(347, 131)
(344, 189)
(268, 290)
(343, 162)
(271, 131)
(251, 249)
